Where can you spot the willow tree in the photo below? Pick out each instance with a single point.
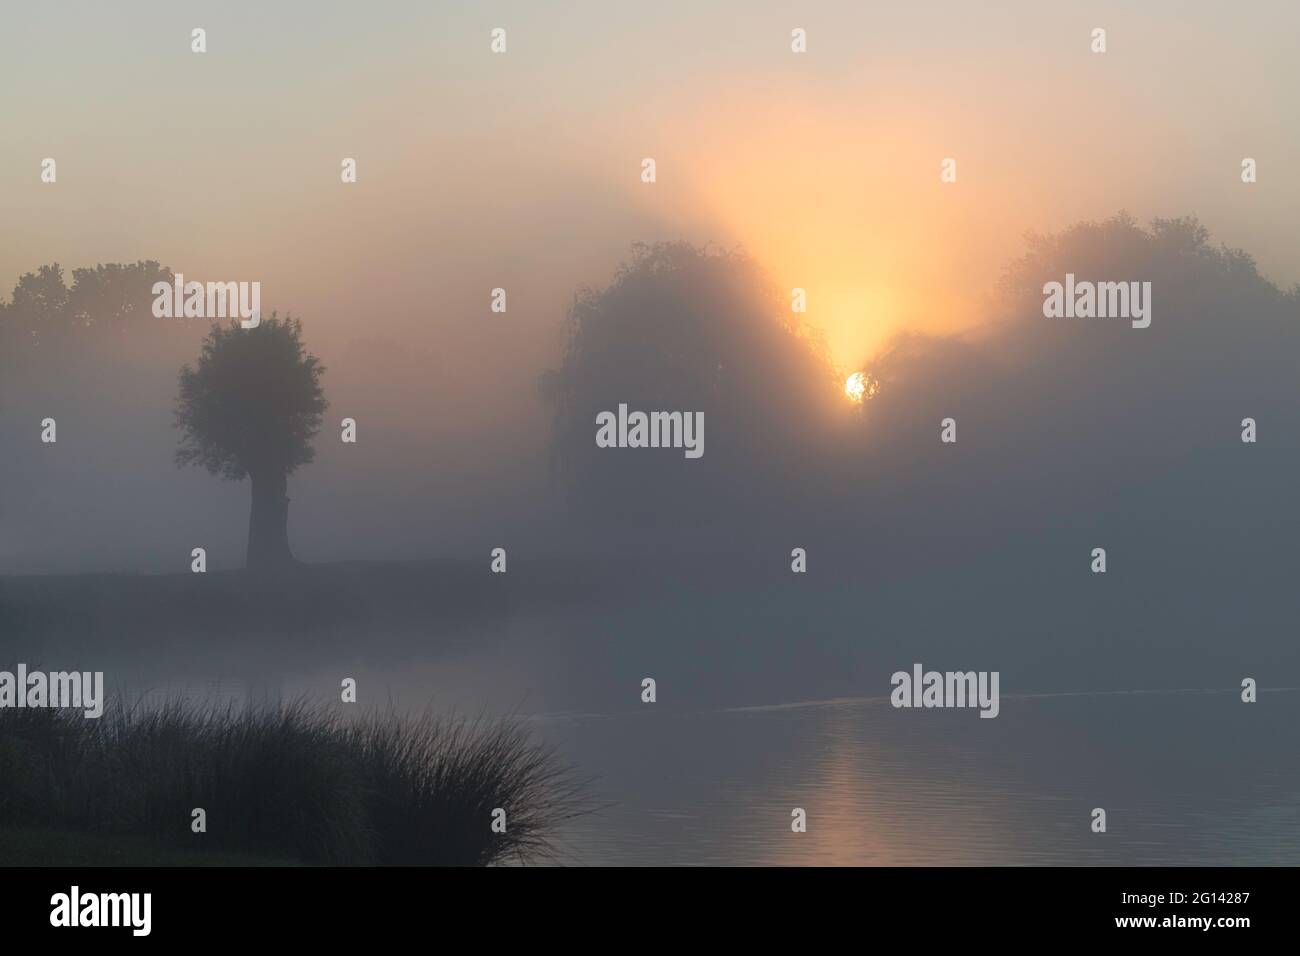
(249, 409)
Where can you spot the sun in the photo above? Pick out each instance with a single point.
(859, 387)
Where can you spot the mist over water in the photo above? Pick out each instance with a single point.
(775, 695)
(813, 181)
(971, 555)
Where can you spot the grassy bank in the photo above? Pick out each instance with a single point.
(22, 846)
(295, 783)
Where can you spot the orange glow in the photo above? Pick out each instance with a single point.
(847, 203)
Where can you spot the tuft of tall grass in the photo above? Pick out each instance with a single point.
(296, 780)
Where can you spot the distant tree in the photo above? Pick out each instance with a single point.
(112, 297)
(250, 408)
(1056, 403)
(37, 313)
(684, 328)
(45, 314)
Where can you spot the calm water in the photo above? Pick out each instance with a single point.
(1184, 778)
(773, 698)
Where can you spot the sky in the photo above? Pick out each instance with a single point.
(522, 171)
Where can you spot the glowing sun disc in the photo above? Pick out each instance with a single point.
(855, 387)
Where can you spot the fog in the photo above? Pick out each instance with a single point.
(1089, 427)
(1099, 509)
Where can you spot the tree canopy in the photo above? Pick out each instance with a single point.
(44, 310)
(252, 403)
(690, 329)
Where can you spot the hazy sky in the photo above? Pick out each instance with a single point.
(522, 170)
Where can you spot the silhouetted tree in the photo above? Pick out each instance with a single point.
(1088, 416)
(45, 312)
(682, 328)
(250, 409)
(112, 297)
(38, 309)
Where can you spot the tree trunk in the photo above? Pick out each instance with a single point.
(268, 523)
